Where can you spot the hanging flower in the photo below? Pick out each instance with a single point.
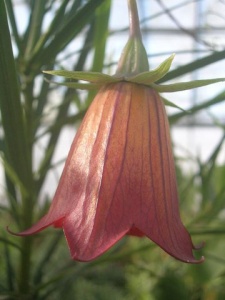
(119, 177)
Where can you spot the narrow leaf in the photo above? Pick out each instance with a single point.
(213, 158)
(68, 32)
(52, 28)
(35, 25)
(100, 35)
(13, 24)
(10, 270)
(10, 105)
(100, 39)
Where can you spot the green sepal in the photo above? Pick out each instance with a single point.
(154, 75)
(171, 104)
(97, 79)
(133, 59)
(182, 86)
(77, 85)
(93, 77)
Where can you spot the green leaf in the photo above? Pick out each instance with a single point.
(100, 39)
(154, 75)
(42, 101)
(13, 24)
(10, 105)
(67, 32)
(34, 26)
(10, 271)
(182, 86)
(94, 77)
(58, 18)
(100, 35)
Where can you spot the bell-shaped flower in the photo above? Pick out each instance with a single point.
(119, 177)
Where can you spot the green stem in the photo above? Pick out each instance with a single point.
(18, 147)
(134, 19)
(28, 200)
(25, 266)
(134, 59)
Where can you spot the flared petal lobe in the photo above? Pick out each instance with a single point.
(119, 178)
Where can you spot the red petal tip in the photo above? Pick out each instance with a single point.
(199, 261)
(12, 232)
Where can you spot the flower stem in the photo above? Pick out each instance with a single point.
(27, 206)
(25, 266)
(17, 148)
(134, 19)
(134, 59)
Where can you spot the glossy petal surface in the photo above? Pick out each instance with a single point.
(119, 178)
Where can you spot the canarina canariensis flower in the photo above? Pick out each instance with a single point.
(119, 177)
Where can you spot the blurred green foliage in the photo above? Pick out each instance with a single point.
(40, 267)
